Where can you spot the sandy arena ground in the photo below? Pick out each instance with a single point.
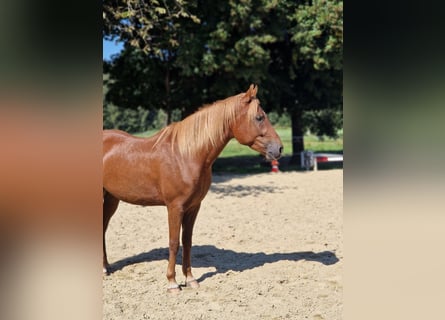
(265, 246)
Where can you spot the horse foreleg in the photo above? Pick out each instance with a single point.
(187, 231)
(175, 214)
(109, 208)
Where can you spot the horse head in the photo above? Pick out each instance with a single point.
(253, 127)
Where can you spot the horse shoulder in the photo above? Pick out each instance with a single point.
(185, 183)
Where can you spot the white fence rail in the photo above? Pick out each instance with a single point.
(309, 159)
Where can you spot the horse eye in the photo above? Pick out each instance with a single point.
(259, 118)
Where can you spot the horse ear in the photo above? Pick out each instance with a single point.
(251, 92)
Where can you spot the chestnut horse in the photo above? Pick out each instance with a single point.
(174, 167)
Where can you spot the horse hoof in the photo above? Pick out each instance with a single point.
(192, 284)
(174, 290)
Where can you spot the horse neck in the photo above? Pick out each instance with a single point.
(212, 147)
(205, 133)
(215, 151)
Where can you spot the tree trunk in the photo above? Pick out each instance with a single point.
(297, 136)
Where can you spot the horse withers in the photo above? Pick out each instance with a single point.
(174, 167)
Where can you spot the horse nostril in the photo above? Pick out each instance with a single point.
(281, 150)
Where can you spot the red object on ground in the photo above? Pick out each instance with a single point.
(275, 166)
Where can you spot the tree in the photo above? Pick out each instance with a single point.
(307, 61)
(318, 33)
(152, 26)
(151, 31)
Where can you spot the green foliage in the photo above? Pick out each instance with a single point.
(279, 120)
(129, 120)
(318, 31)
(136, 120)
(151, 26)
(324, 122)
(160, 120)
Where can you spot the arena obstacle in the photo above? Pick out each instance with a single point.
(274, 165)
(309, 159)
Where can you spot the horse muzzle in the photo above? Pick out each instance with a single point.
(274, 151)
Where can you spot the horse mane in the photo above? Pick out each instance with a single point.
(206, 128)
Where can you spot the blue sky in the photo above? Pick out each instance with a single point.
(109, 48)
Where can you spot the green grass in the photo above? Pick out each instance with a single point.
(236, 158)
(146, 134)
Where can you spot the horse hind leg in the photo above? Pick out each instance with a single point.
(109, 208)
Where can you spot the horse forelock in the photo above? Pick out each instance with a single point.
(206, 128)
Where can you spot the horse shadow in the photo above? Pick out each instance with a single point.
(241, 191)
(226, 260)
